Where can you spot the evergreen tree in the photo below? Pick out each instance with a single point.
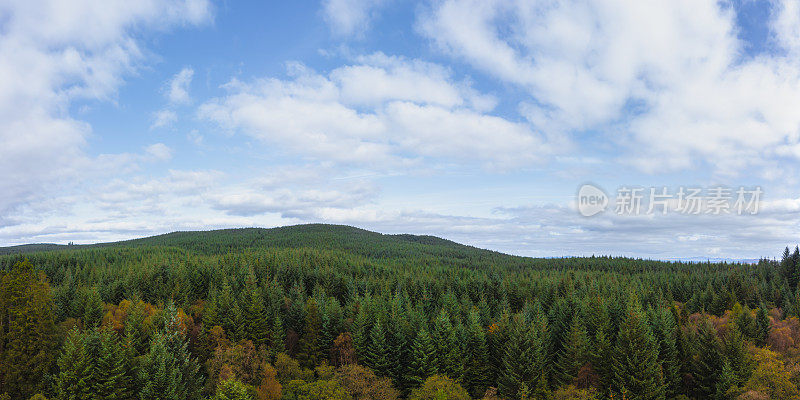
(708, 361)
(254, 315)
(168, 372)
(665, 331)
(423, 362)
(309, 354)
(229, 316)
(29, 347)
(476, 357)
(574, 353)
(448, 361)
(92, 308)
(762, 326)
(276, 337)
(72, 382)
(377, 352)
(737, 357)
(637, 373)
(111, 375)
(519, 361)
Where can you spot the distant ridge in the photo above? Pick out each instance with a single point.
(322, 236)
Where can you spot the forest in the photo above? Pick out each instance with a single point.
(313, 312)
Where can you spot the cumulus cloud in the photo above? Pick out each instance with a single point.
(667, 80)
(350, 17)
(53, 54)
(178, 87)
(163, 118)
(381, 112)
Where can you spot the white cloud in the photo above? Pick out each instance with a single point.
(350, 17)
(377, 121)
(159, 151)
(666, 80)
(52, 54)
(178, 87)
(163, 118)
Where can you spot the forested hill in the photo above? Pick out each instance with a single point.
(319, 312)
(317, 236)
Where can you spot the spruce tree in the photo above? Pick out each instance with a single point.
(762, 326)
(168, 372)
(665, 332)
(476, 357)
(448, 361)
(708, 361)
(423, 362)
(277, 337)
(377, 352)
(309, 354)
(637, 373)
(111, 376)
(574, 353)
(254, 316)
(72, 382)
(737, 356)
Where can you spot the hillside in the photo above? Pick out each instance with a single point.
(318, 236)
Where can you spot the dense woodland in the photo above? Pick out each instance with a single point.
(331, 312)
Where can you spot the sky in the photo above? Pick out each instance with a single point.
(472, 120)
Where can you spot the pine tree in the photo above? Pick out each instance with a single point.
(525, 358)
(309, 354)
(71, 381)
(377, 352)
(92, 308)
(277, 337)
(111, 379)
(254, 316)
(637, 373)
(708, 361)
(574, 353)
(476, 361)
(423, 359)
(168, 372)
(665, 331)
(737, 357)
(26, 309)
(762, 326)
(449, 361)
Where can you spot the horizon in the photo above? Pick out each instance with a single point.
(696, 259)
(525, 128)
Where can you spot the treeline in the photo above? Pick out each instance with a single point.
(391, 317)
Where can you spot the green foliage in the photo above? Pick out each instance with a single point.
(28, 341)
(637, 373)
(439, 387)
(168, 372)
(232, 390)
(423, 362)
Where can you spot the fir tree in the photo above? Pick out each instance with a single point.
(762, 326)
(309, 354)
(254, 315)
(637, 373)
(448, 361)
(276, 337)
(708, 361)
(377, 352)
(168, 372)
(574, 353)
(423, 360)
(665, 331)
(476, 357)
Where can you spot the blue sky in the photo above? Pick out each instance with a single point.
(472, 120)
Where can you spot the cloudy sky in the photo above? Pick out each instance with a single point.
(474, 120)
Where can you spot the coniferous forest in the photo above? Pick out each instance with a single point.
(332, 312)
